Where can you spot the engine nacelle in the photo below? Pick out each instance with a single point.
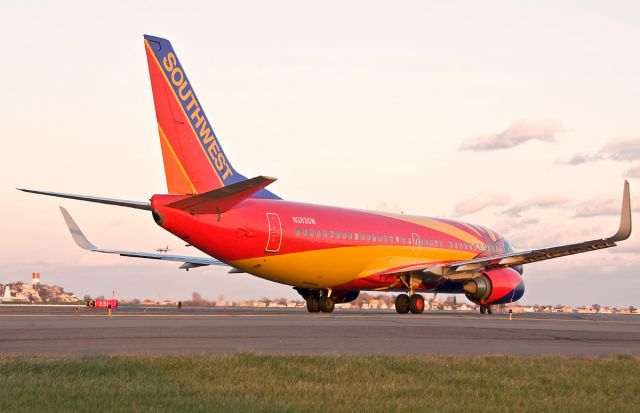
(499, 286)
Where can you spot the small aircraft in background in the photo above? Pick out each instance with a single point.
(164, 250)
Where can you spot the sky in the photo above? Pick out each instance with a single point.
(519, 116)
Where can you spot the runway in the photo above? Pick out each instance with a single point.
(34, 330)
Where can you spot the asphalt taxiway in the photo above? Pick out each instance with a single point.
(32, 330)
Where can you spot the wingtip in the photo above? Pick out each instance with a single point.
(75, 231)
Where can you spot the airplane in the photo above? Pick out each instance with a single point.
(165, 249)
(327, 254)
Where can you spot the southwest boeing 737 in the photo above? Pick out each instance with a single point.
(327, 254)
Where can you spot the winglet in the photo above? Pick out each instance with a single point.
(76, 233)
(625, 218)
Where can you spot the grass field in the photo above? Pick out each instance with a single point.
(245, 382)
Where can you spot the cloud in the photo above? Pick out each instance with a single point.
(604, 205)
(478, 203)
(580, 159)
(542, 201)
(634, 171)
(616, 150)
(519, 132)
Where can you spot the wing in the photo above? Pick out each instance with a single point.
(83, 242)
(460, 270)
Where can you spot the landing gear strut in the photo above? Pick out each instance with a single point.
(485, 308)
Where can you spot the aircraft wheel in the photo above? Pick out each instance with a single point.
(489, 310)
(402, 303)
(416, 304)
(313, 302)
(326, 304)
(483, 309)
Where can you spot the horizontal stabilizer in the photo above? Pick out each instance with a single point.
(222, 199)
(109, 201)
(83, 242)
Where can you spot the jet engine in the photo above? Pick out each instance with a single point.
(499, 286)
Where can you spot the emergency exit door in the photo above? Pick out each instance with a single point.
(275, 232)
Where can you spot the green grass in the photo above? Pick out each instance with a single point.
(245, 382)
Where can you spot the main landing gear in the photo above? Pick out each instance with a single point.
(317, 302)
(485, 309)
(406, 303)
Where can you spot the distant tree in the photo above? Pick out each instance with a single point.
(197, 300)
(596, 307)
(86, 297)
(100, 297)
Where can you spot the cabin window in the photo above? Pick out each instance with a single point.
(409, 241)
(330, 234)
(326, 233)
(402, 240)
(304, 232)
(373, 237)
(385, 238)
(337, 234)
(351, 235)
(355, 236)
(441, 244)
(344, 235)
(297, 232)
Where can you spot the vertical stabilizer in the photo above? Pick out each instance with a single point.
(194, 161)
